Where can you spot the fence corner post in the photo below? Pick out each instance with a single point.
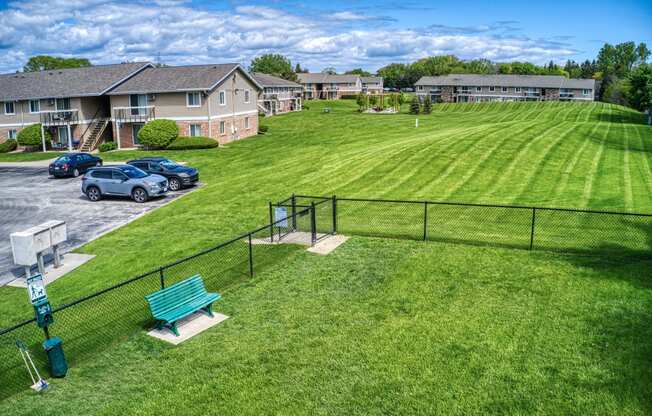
(161, 277)
(313, 224)
(271, 223)
(251, 257)
(534, 215)
(334, 214)
(425, 220)
(294, 212)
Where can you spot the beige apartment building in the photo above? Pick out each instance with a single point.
(278, 95)
(372, 85)
(329, 87)
(479, 88)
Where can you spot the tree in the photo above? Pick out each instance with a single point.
(46, 62)
(158, 134)
(273, 64)
(373, 100)
(427, 105)
(358, 71)
(639, 92)
(329, 70)
(394, 75)
(299, 70)
(31, 136)
(361, 100)
(414, 106)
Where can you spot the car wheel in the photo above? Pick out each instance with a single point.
(174, 184)
(139, 195)
(93, 193)
(75, 172)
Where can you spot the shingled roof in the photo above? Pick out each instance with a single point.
(71, 82)
(503, 80)
(267, 81)
(178, 79)
(369, 80)
(319, 78)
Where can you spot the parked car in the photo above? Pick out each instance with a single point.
(73, 164)
(178, 176)
(123, 180)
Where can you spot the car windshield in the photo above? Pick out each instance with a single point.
(62, 159)
(168, 164)
(133, 172)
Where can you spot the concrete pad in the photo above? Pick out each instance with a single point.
(329, 244)
(297, 237)
(188, 327)
(69, 262)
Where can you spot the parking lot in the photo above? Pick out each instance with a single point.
(29, 197)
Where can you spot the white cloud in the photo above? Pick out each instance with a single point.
(107, 31)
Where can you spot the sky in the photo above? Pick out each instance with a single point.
(332, 33)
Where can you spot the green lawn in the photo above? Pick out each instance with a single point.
(553, 154)
(27, 156)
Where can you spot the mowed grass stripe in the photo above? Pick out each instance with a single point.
(593, 171)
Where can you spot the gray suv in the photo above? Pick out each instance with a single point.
(123, 180)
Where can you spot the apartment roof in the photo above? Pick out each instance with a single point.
(319, 78)
(178, 79)
(266, 80)
(539, 81)
(71, 82)
(368, 80)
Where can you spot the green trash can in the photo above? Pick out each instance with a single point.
(53, 348)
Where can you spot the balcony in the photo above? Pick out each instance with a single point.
(59, 117)
(133, 114)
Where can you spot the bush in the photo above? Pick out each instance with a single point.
(8, 146)
(197, 142)
(31, 136)
(262, 129)
(107, 146)
(158, 134)
(427, 105)
(414, 106)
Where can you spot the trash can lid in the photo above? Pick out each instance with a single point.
(52, 342)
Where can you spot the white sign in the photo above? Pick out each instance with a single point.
(36, 288)
(281, 214)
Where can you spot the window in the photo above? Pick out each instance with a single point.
(518, 89)
(586, 92)
(63, 104)
(246, 122)
(246, 96)
(101, 174)
(193, 99)
(34, 106)
(195, 130)
(222, 127)
(62, 134)
(138, 104)
(12, 134)
(135, 129)
(222, 98)
(118, 176)
(420, 87)
(504, 89)
(492, 89)
(9, 108)
(478, 89)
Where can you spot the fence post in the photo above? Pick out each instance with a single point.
(534, 215)
(251, 258)
(294, 212)
(313, 224)
(271, 223)
(162, 277)
(425, 220)
(334, 214)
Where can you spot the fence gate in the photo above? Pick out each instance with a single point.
(313, 216)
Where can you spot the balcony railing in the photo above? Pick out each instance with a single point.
(59, 117)
(133, 114)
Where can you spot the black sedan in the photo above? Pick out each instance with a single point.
(73, 164)
(178, 176)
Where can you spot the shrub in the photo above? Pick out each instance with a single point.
(414, 106)
(8, 146)
(158, 134)
(197, 142)
(31, 136)
(427, 105)
(361, 100)
(262, 129)
(107, 146)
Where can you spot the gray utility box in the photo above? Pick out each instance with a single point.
(27, 246)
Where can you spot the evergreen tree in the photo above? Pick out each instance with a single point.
(427, 105)
(414, 106)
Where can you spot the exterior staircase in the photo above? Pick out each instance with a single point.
(92, 139)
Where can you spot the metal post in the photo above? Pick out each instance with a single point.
(162, 277)
(313, 223)
(294, 212)
(69, 138)
(57, 256)
(40, 263)
(251, 258)
(271, 223)
(334, 214)
(425, 220)
(534, 214)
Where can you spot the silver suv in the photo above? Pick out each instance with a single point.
(123, 180)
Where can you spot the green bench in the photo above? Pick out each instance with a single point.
(180, 300)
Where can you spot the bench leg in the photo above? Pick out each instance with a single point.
(208, 310)
(160, 325)
(173, 328)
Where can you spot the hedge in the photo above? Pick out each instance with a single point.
(8, 146)
(262, 129)
(197, 142)
(31, 136)
(108, 146)
(158, 134)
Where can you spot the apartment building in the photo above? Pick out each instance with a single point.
(479, 88)
(278, 95)
(329, 87)
(71, 104)
(372, 85)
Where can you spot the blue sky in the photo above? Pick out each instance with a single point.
(343, 34)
